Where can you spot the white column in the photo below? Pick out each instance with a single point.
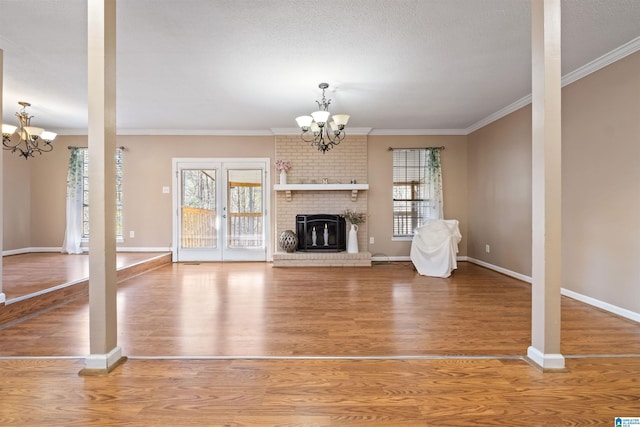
(546, 182)
(105, 353)
(3, 297)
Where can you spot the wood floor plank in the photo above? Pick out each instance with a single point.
(484, 392)
(251, 309)
(24, 274)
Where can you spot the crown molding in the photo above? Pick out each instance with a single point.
(417, 132)
(296, 131)
(195, 132)
(575, 75)
(607, 59)
(172, 132)
(597, 64)
(499, 114)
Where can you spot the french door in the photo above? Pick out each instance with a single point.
(220, 209)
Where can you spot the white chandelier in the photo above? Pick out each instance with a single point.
(314, 127)
(30, 139)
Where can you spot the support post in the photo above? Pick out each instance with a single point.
(3, 297)
(546, 185)
(105, 353)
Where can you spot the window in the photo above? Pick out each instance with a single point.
(85, 193)
(417, 189)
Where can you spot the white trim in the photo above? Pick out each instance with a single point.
(418, 132)
(623, 312)
(601, 62)
(319, 187)
(3, 298)
(545, 360)
(103, 361)
(504, 271)
(30, 250)
(85, 249)
(222, 163)
(297, 131)
(522, 102)
(571, 77)
(142, 249)
(16, 252)
(173, 132)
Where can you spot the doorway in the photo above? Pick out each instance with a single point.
(220, 209)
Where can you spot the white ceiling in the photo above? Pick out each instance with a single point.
(252, 66)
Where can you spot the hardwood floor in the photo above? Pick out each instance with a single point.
(447, 352)
(25, 274)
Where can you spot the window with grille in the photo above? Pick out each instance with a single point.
(85, 193)
(412, 198)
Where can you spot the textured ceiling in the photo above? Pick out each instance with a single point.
(239, 66)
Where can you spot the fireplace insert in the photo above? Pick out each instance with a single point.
(321, 233)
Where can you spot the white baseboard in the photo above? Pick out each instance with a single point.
(623, 312)
(28, 251)
(619, 311)
(545, 360)
(147, 249)
(500, 270)
(103, 362)
(85, 249)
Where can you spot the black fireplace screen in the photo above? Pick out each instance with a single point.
(321, 232)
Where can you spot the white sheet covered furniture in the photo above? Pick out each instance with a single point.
(434, 248)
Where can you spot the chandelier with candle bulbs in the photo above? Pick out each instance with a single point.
(30, 139)
(318, 130)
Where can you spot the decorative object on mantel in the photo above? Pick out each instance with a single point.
(28, 136)
(283, 166)
(354, 218)
(316, 124)
(288, 241)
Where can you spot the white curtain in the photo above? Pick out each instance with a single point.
(434, 182)
(73, 233)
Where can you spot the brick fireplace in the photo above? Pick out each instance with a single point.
(343, 164)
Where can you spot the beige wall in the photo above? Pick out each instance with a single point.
(147, 168)
(500, 193)
(454, 183)
(16, 201)
(600, 187)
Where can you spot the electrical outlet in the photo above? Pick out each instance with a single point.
(132, 234)
(165, 190)
(372, 240)
(487, 248)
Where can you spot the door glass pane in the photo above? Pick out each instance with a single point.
(245, 208)
(198, 209)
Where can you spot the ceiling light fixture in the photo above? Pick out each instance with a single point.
(316, 124)
(30, 140)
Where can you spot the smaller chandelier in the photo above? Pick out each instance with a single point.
(30, 139)
(315, 128)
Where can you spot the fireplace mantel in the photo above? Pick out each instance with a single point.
(289, 188)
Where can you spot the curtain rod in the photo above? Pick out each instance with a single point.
(70, 147)
(416, 148)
